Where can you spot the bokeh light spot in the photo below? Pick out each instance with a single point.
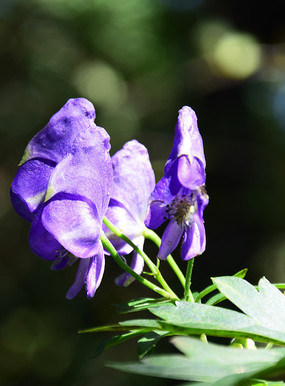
(100, 83)
(237, 55)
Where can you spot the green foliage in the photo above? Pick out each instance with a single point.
(261, 320)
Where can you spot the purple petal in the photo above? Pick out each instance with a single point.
(170, 239)
(74, 224)
(137, 263)
(194, 240)
(160, 197)
(42, 242)
(79, 279)
(133, 179)
(95, 272)
(66, 129)
(28, 188)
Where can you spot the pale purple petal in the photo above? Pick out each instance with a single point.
(133, 179)
(74, 224)
(137, 264)
(95, 272)
(43, 242)
(170, 239)
(79, 279)
(29, 186)
(194, 240)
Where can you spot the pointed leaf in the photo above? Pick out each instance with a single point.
(147, 343)
(266, 307)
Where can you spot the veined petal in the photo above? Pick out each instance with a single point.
(42, 242)
(80, 278)
(194, 240)
(137, 264)
(70, 124)
(29, 186)
(74, 224)
(170, 239)
(95, 272)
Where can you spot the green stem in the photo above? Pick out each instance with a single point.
(188, 296)
(151, 235)
(110, 248)
(205, 292)
(155, 271)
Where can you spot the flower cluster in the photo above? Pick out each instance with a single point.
(67, 182)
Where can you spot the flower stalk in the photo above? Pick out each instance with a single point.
(109, 247)
(188, 296)
(151, 235)
(155, 271)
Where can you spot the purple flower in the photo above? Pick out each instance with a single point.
(180, 195)
(133, 183)
(63, 186)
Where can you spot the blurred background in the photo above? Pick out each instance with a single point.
(139, 62)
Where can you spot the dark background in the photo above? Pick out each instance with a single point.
(139, 61)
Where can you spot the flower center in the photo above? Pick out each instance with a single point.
(182, 208)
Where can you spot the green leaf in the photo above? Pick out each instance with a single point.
(139, 304)
(147, 343)
(266, 306)
(194, 318)
(116, 340)
(141, 323)
(211, 363)
(213, 287)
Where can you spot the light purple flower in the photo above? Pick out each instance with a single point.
(180, 195)
(133, 183)
(63, 186)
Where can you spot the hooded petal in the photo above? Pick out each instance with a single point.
(170, 239)
(133, 179)
(74, 224)
(28, 188)
(187, 139)
(65, 130)
(137, 264)
(194, 240)
(95, 272)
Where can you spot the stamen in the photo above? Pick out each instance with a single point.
(182, 208)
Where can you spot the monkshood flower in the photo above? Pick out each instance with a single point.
(180, 195)
(133, 184)
(63, 186)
